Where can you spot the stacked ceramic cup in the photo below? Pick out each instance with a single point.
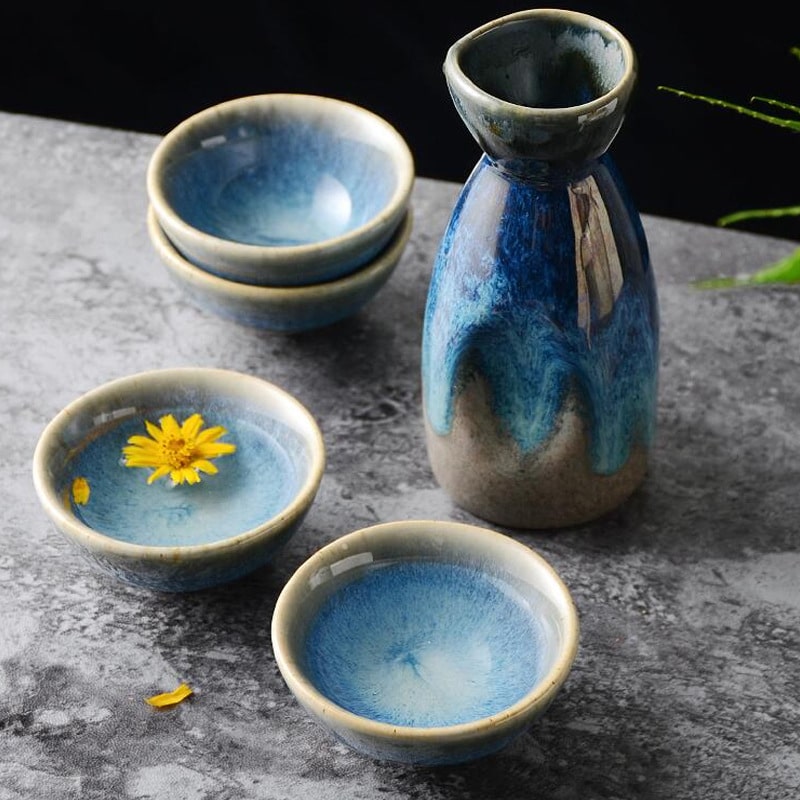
(282, 211)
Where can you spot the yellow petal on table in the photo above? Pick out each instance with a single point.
(169, 698)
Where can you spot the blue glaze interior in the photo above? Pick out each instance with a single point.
(253, 484)
(427, 644)
(570, 64)
(280, 184)
(504, 304)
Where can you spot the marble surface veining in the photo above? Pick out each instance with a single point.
(686, 681)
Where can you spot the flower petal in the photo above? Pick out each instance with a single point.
(169, 427)
(159, 473)
(210, 434)
(81, 491)
(191, 427)
(191, 475)
(154, 430)
(143, 441)
(172, 698)
(205, 466)
(214, 449)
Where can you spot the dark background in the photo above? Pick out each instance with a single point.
(146, 66)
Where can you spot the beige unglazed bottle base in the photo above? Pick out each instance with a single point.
(485, 473)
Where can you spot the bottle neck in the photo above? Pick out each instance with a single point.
(542, 173)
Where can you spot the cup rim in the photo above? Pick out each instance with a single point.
(598, 107)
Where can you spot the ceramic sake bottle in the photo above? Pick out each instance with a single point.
(540, 336)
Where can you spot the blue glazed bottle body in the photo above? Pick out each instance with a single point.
(540, 346)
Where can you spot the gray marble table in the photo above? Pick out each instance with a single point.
(687, 682)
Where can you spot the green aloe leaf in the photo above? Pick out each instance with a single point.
(777, 103)
(758, 213)
(791, 124)
(785, 271)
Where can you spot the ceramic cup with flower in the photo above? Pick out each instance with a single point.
(180, 479)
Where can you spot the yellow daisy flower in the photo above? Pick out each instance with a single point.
(180, 451)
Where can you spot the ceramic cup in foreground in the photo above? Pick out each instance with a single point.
(424, 641)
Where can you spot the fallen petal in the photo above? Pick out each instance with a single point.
(169, 698)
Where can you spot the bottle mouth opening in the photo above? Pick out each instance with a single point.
(540, 61)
